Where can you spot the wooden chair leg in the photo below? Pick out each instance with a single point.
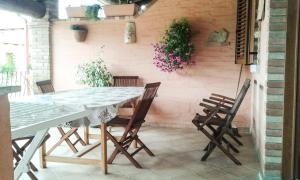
(208, 152)
(32, 176)
(64, 137)
(82, 142)
(86, 135)
(216, 132)
(235, 139)
(144, 147)
(215, 141)
(113, 156)
(121, 149)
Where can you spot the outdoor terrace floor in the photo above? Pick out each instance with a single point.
(178, 153)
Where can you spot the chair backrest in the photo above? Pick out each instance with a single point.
(144, 103)
(240, 97)
(45, 86)
(125, 81)
(245, 86)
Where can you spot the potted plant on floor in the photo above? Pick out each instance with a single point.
(80, 32)
(120, 8)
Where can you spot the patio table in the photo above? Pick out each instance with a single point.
(29, 119)
(98, 104)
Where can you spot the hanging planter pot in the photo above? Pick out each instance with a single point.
(80, 32)
(130, 33)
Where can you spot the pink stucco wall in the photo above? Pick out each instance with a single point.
(180, 92)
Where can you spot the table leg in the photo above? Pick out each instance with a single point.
(6, 155)
(103, 148)
(23, 165)
(42, 154)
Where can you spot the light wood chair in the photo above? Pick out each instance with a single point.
(47, 87)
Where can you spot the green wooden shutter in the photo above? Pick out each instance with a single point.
(244, 32)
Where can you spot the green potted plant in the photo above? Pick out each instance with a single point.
(94, 74)
(91, 12)
(80, 32)
(120, 8)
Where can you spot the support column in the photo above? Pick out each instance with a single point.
(40, 44)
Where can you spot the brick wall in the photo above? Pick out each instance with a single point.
(180, 92)
(40, 44)
(272, 57)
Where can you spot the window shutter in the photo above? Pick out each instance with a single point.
(244, 32)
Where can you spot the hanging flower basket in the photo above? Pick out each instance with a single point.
(175, 50)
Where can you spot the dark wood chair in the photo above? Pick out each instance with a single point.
(124, 111)
(126, 81)
(132, 127)
(227, 103)
(218, 125)
(47, 87)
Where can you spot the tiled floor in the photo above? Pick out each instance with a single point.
(178, 153)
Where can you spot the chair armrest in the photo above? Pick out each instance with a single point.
(224, 97)
(219, 103)
(221, 100)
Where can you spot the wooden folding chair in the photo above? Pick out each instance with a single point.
(132, 127)
(227, 103)
(47, 87)
(126, 81)
(127, 109)
(219, 126)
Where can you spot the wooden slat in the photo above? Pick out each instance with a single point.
(72, 160)
(242, 32)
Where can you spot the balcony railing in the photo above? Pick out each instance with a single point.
(17, 79)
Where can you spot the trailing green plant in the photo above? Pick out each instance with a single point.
(175, 49)
(94, 74)
(9, 67)
(76, 27)
(120, 1)
(91, 12)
